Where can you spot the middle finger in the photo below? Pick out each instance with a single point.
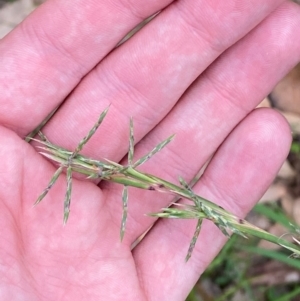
(146, 76)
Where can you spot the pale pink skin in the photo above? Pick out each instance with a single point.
(61, 46)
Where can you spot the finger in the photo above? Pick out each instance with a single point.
(211, 108)
(146, 76)
(47, 55)
(236, 178)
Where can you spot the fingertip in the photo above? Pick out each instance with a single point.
(247, 162)
(271, 129)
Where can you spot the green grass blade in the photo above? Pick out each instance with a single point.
(273, 255)
(295, 147)
(289, 296)
(225, 253)
(274, 213)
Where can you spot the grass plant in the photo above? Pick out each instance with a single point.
(128, 175)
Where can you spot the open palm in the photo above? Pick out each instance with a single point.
(197, 70)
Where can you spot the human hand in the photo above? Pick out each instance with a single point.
(170, 80)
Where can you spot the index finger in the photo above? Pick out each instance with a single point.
(47, 55)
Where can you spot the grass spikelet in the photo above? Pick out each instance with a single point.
(90, 133)
(125, 210)
(67, 201)
(155, 150)
(51, 183)
(131, 144)
(194, 240)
